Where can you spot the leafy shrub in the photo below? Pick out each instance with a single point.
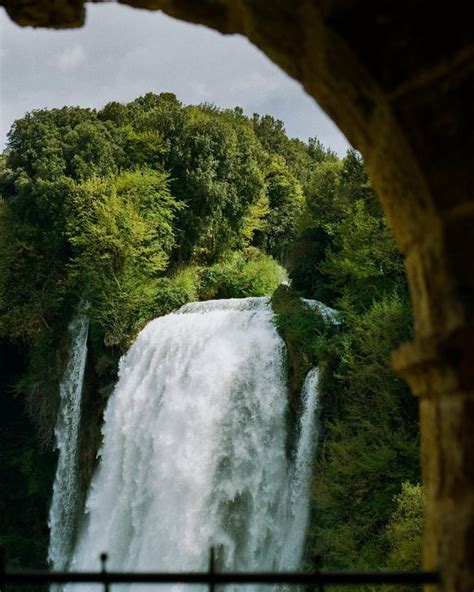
(405, 529)
(241, 276)
(180, 288)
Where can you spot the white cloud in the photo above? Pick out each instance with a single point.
(202, 91)
(71, 58)
(123, 53)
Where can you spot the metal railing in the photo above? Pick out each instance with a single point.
(211, 578)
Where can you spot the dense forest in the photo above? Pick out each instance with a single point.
(136, 209)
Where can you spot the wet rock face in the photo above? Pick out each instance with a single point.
(397, 79)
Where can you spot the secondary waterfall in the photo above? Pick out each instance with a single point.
(62, 515)
(194, 448)
(307, 440)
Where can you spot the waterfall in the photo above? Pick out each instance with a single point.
(194, 448)
(62, 515)
(330, 315)
(308, 437)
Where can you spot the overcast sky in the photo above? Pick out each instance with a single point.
(123, 53)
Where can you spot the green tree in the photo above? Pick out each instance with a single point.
(215, 172)
(405, 529)
(362, 262)
(285, 203)
(121, 233)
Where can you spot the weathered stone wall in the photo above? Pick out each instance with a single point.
(397, 79)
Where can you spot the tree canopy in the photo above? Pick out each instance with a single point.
(139, 208)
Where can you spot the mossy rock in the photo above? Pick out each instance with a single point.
(303, 330)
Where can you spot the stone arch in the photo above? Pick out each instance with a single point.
(397, 79)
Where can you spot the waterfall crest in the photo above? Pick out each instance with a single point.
(62, 515)
(194, 447)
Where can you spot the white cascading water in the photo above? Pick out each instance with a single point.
(63, 512)
(194, 448)
(330, 315)
(300, 486)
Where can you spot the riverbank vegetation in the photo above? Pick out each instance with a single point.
(140, 208)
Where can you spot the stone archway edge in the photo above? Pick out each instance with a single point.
(398, 80)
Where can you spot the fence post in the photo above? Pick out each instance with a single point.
(211, 569)
(103, 561)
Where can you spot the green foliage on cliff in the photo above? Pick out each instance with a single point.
(303, 330)
(104, 205)
(240, 276)
(405, 529)
(26, 471)
(121, 234)
(371, 440)
(345, 254)
(346, 257)
(139, 208)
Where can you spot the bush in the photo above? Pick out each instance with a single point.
(174, 291)
(405, 529)
(241, 275)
